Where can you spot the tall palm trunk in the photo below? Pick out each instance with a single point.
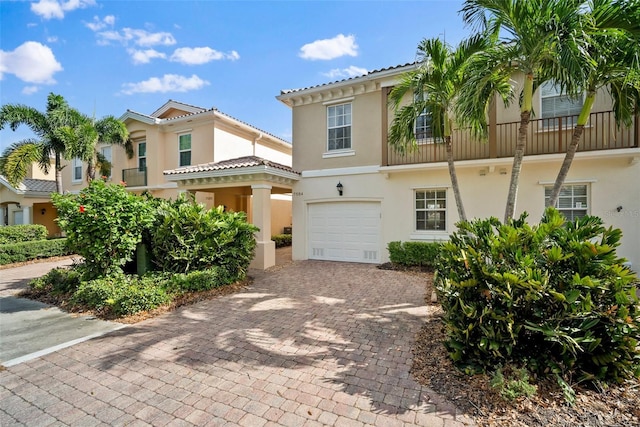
(518, 155)
(572, 148)
(58, 168)
(454, 179)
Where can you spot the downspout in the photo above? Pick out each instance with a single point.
(255, 141)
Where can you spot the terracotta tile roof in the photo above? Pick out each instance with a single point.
(238, 163)
(289, 91)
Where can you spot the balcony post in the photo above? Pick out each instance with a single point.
(493, 129)
(385, 125)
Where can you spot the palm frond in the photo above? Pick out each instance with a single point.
(18, 158)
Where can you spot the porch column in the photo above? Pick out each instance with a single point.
(261, 210)
(26, 214)
(2, 217)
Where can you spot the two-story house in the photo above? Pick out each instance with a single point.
(222, 160)
(356, 193)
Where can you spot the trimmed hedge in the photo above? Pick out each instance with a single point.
(414, 254)
(22, 233)
(26, 251)
(282, 240)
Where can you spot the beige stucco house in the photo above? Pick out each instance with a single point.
(356, 193)
(222, 160)
(30, 201)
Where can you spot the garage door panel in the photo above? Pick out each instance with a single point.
(348, 231)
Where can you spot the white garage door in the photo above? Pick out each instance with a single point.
(347, 231)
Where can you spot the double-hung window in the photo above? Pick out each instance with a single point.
(572, 201)
(76, 170)
(185, 149)
(554, 105)
(142, 156)
(431, 210)
(106, 154)
(339, 127)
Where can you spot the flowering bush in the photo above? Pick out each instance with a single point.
(103, 223)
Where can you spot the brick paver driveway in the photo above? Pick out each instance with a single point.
(312, 343)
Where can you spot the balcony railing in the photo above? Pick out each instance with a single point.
(135, 177)
(545, 136)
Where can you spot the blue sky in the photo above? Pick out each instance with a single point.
(106, 57)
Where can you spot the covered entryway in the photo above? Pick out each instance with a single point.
(345, 231)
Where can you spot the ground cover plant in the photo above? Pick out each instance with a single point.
(552, 298)
(194, 250)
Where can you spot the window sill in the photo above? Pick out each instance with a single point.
(338, 153)
(430, 236)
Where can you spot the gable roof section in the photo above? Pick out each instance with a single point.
(374, 74)
(176, 105)
(31, 187)
(225, 165)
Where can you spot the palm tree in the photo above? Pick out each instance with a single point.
(533, 34)
(82, 139)
(612, 60)
(17, 158)
(435, 86)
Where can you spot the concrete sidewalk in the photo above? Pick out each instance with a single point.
(307, 344)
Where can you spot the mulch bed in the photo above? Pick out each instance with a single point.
(617, 405)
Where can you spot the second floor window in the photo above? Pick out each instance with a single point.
(424, 130)
(185, 150)
(339, 127)
(431, 210)
(142, 156)
(554, 104)
(76, 169)
(572, 201)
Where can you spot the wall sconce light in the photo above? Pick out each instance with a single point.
(43, 211)
(619, 208)
(339, 187)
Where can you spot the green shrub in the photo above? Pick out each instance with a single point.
(120, 295)
(282, 240)
(103, 223)
(58, 281)
(27, 251)
(515, 385)
(22, 233)
(188, 237)
(414, 254)
(199, 280)
(552, 297)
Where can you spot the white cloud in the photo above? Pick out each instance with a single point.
(201, 55)
(136, 36)
(166, 83)
(30, 90)
(351, 71)
(336, 47)
(144, 56)
(52, 39)
(49, 9)
(100, 24)
(31, 62)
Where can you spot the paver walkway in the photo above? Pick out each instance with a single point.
(309, 343)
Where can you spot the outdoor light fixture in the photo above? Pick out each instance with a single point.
(619, 208)
(339, 187)
(43, 211)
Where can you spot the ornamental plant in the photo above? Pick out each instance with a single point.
(187, 236)
(552, 297)
(103, 223)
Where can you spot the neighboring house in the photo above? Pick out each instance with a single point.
(30, 201)
(356, 194)
(222, 160)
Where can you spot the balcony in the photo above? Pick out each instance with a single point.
(135, 177)
(545, 136)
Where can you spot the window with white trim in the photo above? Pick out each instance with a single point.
(142, 156)
(106, 153)
(572, 201)
(185, 149)
(339, 127)
(76, 170)
(554, 104)
(431, 210)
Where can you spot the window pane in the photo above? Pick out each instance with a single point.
(185, 158)
(142, 149)
(185, 142)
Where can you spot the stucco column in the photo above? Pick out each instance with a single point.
(2, 218)
(261, 209)
(26, 214)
